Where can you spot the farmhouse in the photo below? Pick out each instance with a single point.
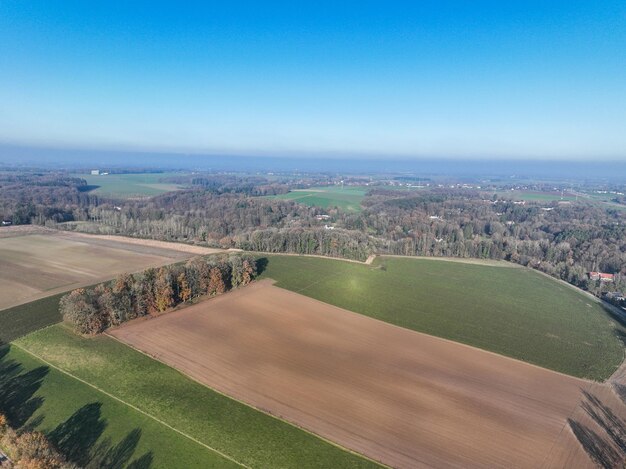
(601, 276)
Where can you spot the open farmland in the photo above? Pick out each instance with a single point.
(347, 198)
(400, 397)
(40, 265)
(183, 424)
(502, 308)
(94, 429)
(126, 186)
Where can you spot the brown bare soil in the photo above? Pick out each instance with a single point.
(153, 243)
(400, 397)
(40, 263)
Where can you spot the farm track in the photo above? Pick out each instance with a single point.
(400, 397)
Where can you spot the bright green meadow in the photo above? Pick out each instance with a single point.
(126, 186)
(347, 198)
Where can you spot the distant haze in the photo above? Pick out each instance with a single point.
(473, 168)
(384, 80)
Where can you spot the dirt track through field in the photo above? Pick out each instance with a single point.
(400, 397)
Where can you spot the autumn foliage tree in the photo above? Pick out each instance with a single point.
(184, 292)
(91, 311)
(216, 281)
(30, 449)
(163, 291)
(81, 308)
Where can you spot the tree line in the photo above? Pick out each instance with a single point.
(93, 310)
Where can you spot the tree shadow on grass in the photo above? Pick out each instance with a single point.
(18, 388)
(143, 462)
(78, 440)
(617, 316)
(108, 456)
(75, 437)
(261, 265)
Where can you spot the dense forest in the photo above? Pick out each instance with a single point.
(565, 239)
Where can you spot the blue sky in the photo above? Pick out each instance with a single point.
(528, 79)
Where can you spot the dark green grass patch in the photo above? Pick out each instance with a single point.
(23, 319)
(508, 310)
(20, 320)
(242, 432)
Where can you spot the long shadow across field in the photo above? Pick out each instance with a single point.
(606, 448)
(79, 438)
(18, 387)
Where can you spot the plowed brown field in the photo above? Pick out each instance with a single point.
(400, 397)
(39, 263)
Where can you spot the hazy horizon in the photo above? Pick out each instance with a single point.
(452, 80)
(87, 159)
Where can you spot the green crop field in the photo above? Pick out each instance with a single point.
(130, 185)
(241, 432)
(347, 198)
(23, 319)
(506, 309)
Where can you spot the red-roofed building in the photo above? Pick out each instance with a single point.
(601, 276)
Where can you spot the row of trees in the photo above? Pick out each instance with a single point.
(92, 310)
(29, 449)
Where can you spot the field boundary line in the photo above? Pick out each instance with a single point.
(277, 417)
(413, 331)
(293, 254)
(217, 451)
